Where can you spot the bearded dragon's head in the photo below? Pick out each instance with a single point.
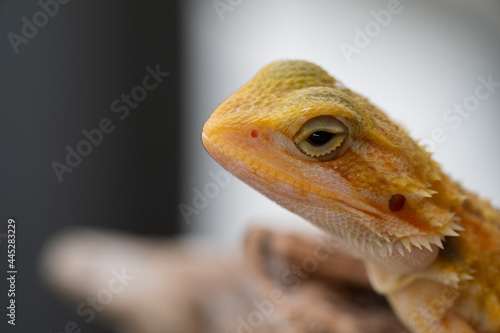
(318, 149)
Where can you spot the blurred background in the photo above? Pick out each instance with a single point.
(82, 67)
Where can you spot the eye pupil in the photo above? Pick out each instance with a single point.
(320, 138)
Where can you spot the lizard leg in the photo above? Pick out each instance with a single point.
(427, 307)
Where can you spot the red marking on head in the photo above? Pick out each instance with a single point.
(254, 134)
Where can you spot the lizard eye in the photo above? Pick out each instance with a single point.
(322, 138)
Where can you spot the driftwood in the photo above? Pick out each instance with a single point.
(281, 283)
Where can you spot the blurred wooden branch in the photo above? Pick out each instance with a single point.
(282, 283)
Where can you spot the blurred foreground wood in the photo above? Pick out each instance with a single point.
(281, 283)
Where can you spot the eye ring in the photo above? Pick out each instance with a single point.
(323, 138)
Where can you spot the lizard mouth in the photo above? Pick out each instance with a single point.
(286, 188)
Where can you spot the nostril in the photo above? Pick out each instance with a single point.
(254, 134)
(396, 202)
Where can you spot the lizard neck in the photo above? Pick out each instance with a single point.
(480, 222)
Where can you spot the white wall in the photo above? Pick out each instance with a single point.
(423, 62)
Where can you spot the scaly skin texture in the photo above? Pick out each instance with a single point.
(429, 245)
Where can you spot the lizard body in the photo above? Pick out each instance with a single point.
(315, 147)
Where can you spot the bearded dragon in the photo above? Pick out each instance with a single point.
(322, 151)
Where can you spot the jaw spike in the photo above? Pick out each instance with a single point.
(386, 237)
(434, 176)
(466, 276)
(436, 239)
(450, 232)
(427, 215)
(399, 247)
(455, 226)
(425, 193)
(389, 248)
(435, 223)
(406, 243)
(416, 243)
(425, 243)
